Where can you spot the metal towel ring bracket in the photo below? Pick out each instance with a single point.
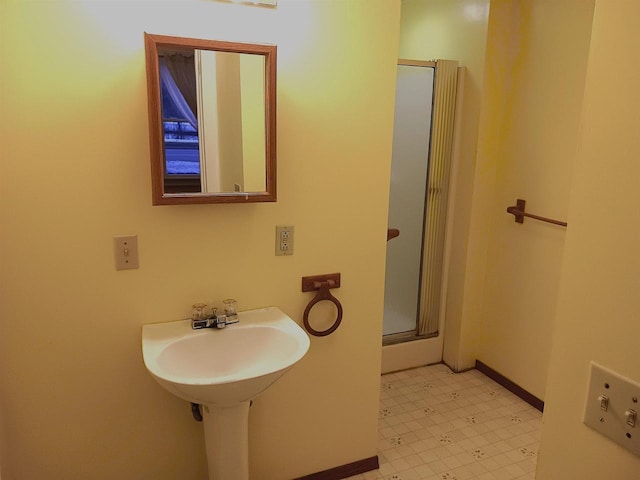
(321, 283)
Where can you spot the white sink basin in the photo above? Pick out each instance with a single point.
(223, 367)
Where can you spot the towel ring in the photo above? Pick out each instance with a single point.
(323, 294)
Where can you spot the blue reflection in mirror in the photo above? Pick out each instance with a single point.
(182, 153)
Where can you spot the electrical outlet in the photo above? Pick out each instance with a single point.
(612, 407)
(125, 250)
(284, 239)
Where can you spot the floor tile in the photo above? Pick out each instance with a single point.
(439, 425)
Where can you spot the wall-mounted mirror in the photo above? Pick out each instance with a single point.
(212, 120)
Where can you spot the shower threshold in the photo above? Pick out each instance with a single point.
(402, 337)
(410, 351)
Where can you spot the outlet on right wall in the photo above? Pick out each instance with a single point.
(599, 301)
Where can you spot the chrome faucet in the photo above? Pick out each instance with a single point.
(200, 320)
(217, 321)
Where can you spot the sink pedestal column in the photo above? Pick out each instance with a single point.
(226, 435)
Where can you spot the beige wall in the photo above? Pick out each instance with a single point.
(77, 401)
(253, 122)
(598, 302)
(536, 63)
(229, 120)
(453, 30)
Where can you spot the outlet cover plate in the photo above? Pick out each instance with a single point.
(284, 240)
(623, 395)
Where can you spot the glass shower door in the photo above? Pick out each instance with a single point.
(409, 168)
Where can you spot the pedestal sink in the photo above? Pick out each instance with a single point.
(223, 370)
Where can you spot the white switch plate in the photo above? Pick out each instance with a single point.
(623, 396)
(125, 251)
(284, 239)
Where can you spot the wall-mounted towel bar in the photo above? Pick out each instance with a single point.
(518, 212)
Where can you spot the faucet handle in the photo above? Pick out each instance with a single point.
(199, 311)
(230, 307)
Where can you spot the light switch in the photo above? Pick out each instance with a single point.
(125, 251)
(612, 406)
(631, 416)
(604, 402)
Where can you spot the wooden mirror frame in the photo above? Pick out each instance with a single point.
(156, 135)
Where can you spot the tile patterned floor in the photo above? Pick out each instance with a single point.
(438, 425)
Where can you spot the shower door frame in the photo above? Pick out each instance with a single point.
(430, 345)
(416, 225)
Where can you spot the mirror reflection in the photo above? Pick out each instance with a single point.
(212, 120)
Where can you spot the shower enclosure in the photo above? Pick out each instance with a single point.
(419, 191)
